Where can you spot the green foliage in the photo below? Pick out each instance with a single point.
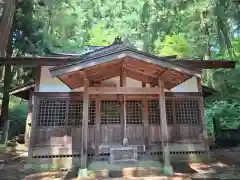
(173, 45)
(225, 104)
(187, 29)
(100, 36)
(18, 111)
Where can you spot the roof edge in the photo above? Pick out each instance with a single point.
(88, 62)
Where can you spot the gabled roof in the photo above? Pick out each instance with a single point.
(56, 59)
(107, 62)
(113, 52)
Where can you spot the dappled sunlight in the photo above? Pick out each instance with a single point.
(45, 176)
(209, 168)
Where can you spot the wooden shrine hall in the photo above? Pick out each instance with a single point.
(113, 98)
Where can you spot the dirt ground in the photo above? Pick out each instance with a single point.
(225, 164)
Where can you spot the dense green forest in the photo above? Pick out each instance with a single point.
(204, 29)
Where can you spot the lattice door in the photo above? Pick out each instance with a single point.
(134, 120)
(111, 128)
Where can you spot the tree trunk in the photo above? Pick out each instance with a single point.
(6, 24)
(6, 49)
(208, 54)
(8, 76)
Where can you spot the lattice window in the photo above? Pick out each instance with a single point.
(92, 112)
(169, 111)
(75, 112)
(134, 112)
(51, 113)
(55, 112)
(153, 112)
(187, 111)
(110, 112)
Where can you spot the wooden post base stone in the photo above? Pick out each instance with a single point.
(168, 170)
(82, 173)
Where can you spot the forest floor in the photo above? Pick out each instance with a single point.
(225, 164)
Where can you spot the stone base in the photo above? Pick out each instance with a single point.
(168, 170)
(189, 157)
(82, 173)
(55, 162)
(123, 154)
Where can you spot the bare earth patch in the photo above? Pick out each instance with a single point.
(13, 167)
(225, 164)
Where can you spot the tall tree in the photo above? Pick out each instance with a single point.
(6, 18)
(6, 50)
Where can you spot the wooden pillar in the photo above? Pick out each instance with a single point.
(67, 135)
(32, 142)
(145, 118)
(85, 125)
(29, 119)
(98, 123)
(35, 102)
(124, 117)
(203, 122)
(38, 77)
(123, 104)
(175, 127)
(164, 127)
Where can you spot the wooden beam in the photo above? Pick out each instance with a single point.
(145, 65)
(209, 64)
(36, 61)
(155, 82)
(104, 66)
(35, 100)
(184, 95)
(123, 115)
(204, 126)
(85, 124)
(38, 77)
(145, 118)
(79, 95)
(139, 77)
(123, 90)
(164, 126)
(123, 75)
(175, 127)
(33, 126)
(66, 129)
(129, 68)
(98, 122)
(105, 76)
(29, 119)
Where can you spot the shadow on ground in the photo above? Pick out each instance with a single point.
(13, 166)
(225, 164)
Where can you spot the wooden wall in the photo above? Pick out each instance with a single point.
(55, 129)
